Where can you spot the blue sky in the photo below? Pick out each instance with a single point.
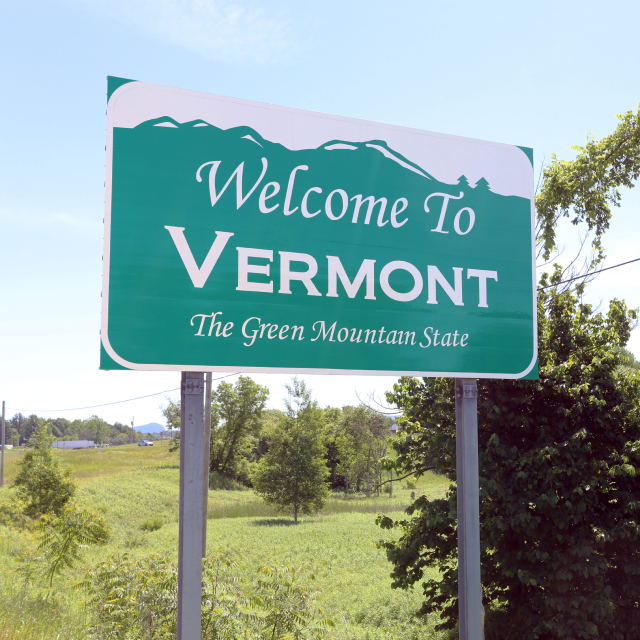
(539, 74)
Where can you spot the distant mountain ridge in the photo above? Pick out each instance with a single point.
(150, 427)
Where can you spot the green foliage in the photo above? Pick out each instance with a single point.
(235, 430)
(338, 547)
(41, 484)
(218, 482)
(133, 598)
(290, 608)
(135, 483)
(99, 429)
(137, 599)
(171, 414)
(22, 428)
(152, 524)
(63, 538)
(559, 485)
(11, 515)
(236, 424)
(361, 437)
(628, 360)
(585, 188)
(293, 474)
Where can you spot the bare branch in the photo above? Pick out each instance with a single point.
(539, 176)
(377, 486)
(387, 410)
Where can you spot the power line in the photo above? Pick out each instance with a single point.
(586, 275)
(106, 404)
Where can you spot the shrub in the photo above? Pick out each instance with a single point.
(41, 484)
(63, 538)
(152, 524)
(12, 516)
(137, 598)
(218, 482)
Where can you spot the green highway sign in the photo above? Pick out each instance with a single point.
(242, 236)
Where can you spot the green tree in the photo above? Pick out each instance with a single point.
(11, 436)
(93, 428)
(293, 474)
(361, 442)
(629, 360)
(584, 189)
(171, 414)
(559, 480)
(41, 484)
(97, 429)
(347, 451)
(236, 411)
(559, 459)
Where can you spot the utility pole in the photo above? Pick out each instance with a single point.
(132, 430)
(2, 462)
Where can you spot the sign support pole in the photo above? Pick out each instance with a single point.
(206, 449)
(469, 581)
(190, 535)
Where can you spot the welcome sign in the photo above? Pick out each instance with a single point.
(242, 236)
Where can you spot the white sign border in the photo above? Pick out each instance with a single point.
(104, 335)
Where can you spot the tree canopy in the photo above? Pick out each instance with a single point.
(293, 474)
(559, 485)
(236, 418)
(559, 456)
(584, 189)
(20, 429)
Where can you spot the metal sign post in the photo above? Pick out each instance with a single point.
(469, 585)
(206, 449)
(190, 536)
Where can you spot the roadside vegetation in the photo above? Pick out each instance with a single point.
(21, 429)
(135, 490)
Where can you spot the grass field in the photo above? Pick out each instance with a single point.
(131, 485)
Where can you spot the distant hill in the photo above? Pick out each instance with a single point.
(151, 427)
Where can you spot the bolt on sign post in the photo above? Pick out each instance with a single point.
(247, 237)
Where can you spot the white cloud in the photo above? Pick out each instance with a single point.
(227, 31)
(49, 220)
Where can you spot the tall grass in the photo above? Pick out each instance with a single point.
(135, 486)
(36, 617)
